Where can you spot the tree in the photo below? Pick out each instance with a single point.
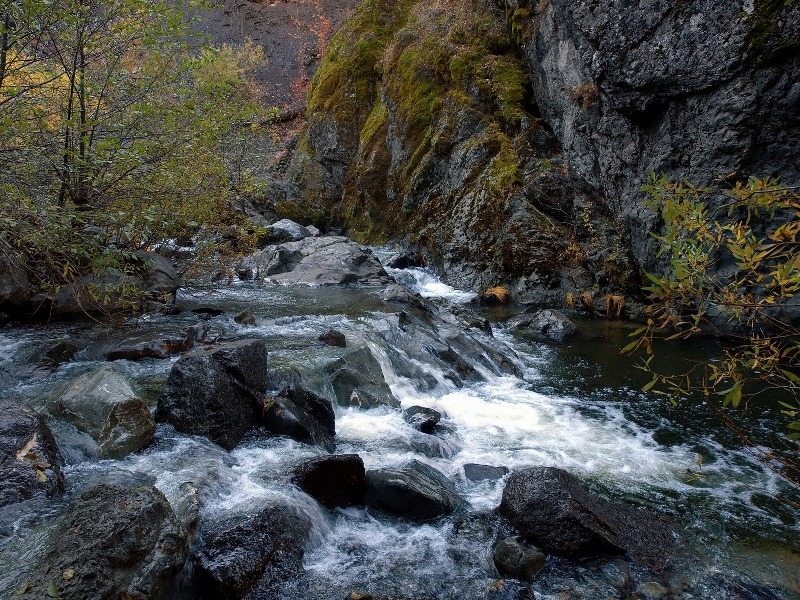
(114, 119)
(734, 272)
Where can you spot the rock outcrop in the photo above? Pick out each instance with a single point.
(114, 542)
(555, 512)
(30, 462)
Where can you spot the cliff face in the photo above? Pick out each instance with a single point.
(694, 89)
(511, 141)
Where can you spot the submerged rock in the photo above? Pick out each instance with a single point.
(555, 512)
(114, 542)
(517, 560)
(326, 260)
(248, 555)
(217, 392)
(550, 325)
(333, 480)
(509, 590)
(357, 380)
(416, 491)
(302, 415)
(30, 462)
(475, 472)
(422, 418)
(103, 404)
(246, 317)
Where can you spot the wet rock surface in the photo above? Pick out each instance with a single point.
(357, 380)
(549, 325)
(476, 472)
(517, 560)
(509, 590)
(421, 418)
(103, 404)
(333, 480)
(416, 491)
(217, 392)
(30, 461)
(246, 556)
(301, 415)
(333, 338)
(554, 511)
(114, 541)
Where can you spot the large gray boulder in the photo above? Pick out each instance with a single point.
(249, 555)
(555, 512)
(329, 260)
(103, 404)
(217, 392)
(357, 380)
(30, 462)
(286, 230)
(15, 287)
(114, 542)
(415, 491)
(695, 90)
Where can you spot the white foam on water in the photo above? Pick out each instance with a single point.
(428, 285)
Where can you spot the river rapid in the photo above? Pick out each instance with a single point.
(577, 407)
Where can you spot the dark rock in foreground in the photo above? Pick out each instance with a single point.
(415, 491)
(30, 462)
(114, 542)
(248, 555)
(329, 260)
(554, 511)
(301, 415)
(475, 472)
(517, 560)
(422, 418)
(357, 380)
(550, 325)
(333, 480)
(217, 392)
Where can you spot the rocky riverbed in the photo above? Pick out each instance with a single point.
(335, 428)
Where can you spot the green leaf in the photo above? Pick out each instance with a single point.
(630, 347)
(734, 396)
(790, 376)
(52, 589)
(649, 385)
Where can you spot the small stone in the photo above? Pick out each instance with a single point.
(475, 472)
(422, 418)
(517, 560)
(246, 317)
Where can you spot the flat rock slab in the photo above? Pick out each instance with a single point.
(329, 260)
(555, 512)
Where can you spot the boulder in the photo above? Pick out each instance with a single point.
(330, 260)
(246, 317)
(475, 472)
(422, 418)
(30, 462)
(357, 380)
(517, 560)
(250, 554)
(217, 392)
(333, 338)
(161, 280)
(549, 325)
(554, 511)
(333, 480)
(114, 542)
(301, 415)
(59, 352)
(509, 590)
(416, 491)
(399, 294)
(160, 348)
(286, 230)
(15, 287)
(103, 404)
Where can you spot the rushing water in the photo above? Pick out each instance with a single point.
(575, 407)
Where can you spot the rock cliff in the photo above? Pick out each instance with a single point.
(510, 141)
